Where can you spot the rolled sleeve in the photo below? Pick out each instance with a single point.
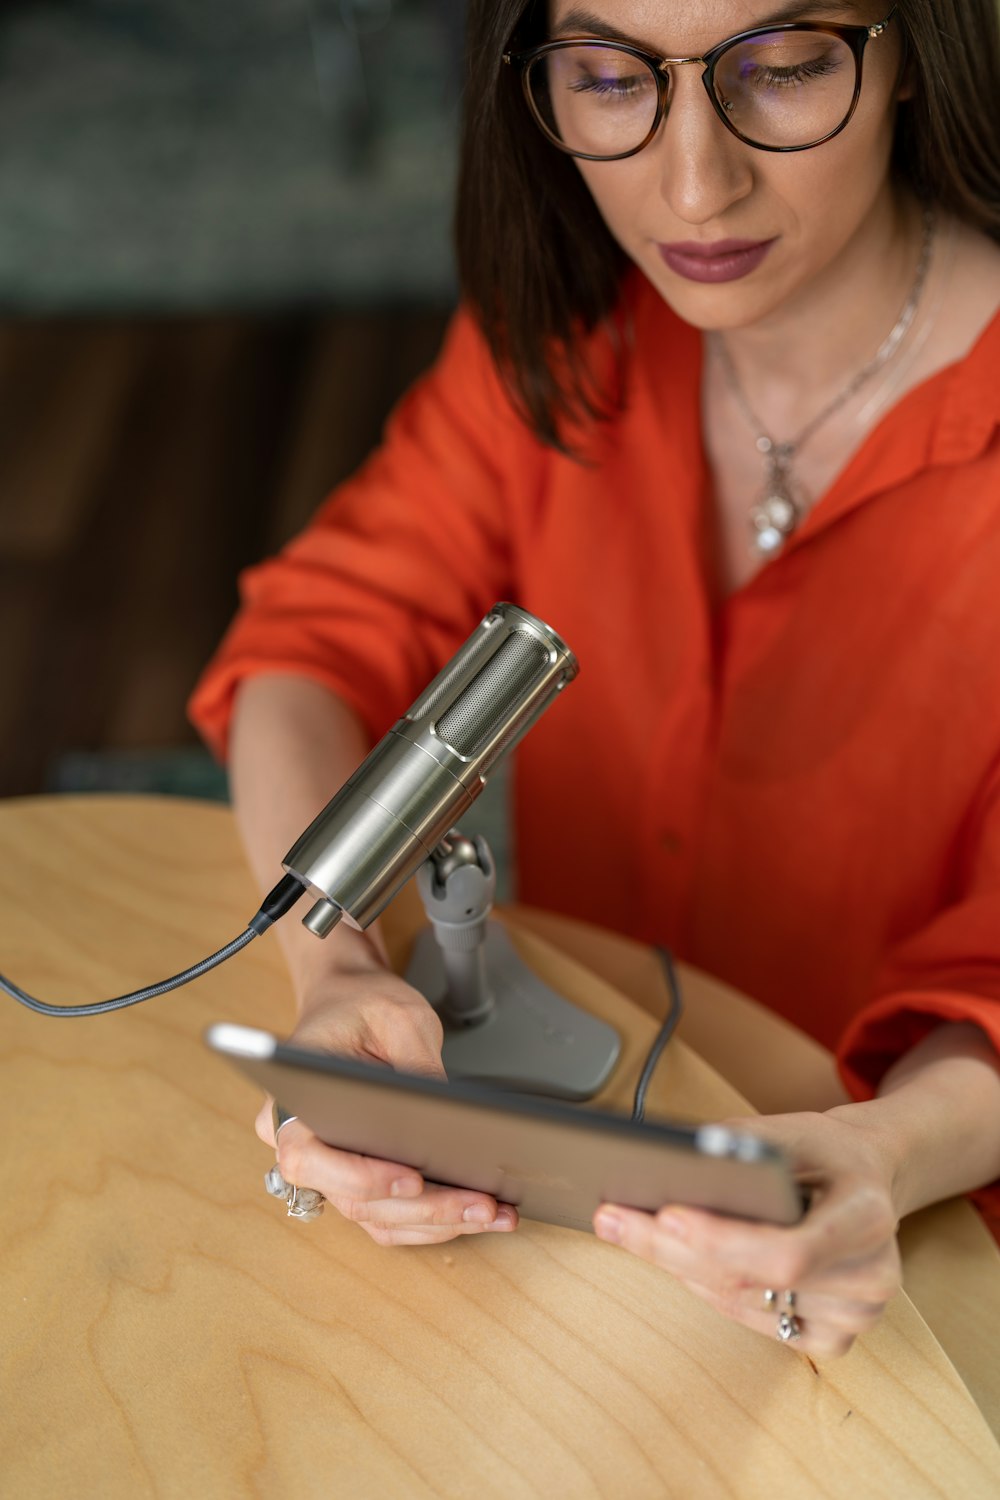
(948, 971)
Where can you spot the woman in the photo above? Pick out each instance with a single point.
(722, 406)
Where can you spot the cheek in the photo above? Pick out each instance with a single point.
(835, 185)
(864, 148)
(620, 193)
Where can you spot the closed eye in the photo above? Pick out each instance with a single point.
(761, 77)
(619, 88)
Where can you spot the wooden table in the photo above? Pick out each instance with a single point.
(168, 1332)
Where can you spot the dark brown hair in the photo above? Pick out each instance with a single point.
(540, 269)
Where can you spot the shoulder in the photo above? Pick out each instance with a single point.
(965, 309)
(949, 383)
(967, 332)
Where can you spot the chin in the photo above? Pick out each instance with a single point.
(713, 308)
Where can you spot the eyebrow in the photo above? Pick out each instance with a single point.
(578, 20)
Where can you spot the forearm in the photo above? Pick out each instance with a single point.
(936, 1120)
(293, 744)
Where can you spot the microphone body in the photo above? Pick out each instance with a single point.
(431, 766)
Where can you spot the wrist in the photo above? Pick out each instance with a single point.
(883, 1144)
(346, 953)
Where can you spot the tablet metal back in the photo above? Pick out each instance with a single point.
(554, 1161)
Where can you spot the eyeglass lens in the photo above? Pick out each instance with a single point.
(788, 88)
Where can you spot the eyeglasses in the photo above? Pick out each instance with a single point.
(777, 88)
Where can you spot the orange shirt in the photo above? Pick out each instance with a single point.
(796, 788)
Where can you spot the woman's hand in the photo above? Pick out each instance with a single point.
(841, 1260)
(368, 1012)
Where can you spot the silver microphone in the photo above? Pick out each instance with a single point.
(431, 766)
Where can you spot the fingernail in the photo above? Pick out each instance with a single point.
(503, 1220)
(406, 1187)
(673, 1224)
(478, 1213)
(608, 1227)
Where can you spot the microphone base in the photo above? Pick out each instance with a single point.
(533, 1041)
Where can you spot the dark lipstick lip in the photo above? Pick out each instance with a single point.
(721, 260)
(708, 250)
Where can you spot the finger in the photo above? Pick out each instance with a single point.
(835, 1316)
(423, 1061)
(264, 1123)
(841, 1315)
(409, 1038)
(841, 1302)
(817, 1336)
(387, 1229)
(411, 1053)
(359, 1181)
(870, 1280)
(307, 1162)
(433, 1209)
(850, 1221)
(405, 1234)
(829, 1324)
(873, 1279)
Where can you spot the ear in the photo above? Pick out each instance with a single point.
(907, 82)
(907, 86)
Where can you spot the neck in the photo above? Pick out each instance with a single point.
(804, 352)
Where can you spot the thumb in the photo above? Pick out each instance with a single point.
(264, 1123)
(426, 1067)
(414, 1052)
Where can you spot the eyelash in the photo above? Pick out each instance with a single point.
(775, 77)
(606, 86)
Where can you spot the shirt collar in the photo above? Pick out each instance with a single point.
(948, 419)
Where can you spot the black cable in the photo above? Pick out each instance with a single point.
(275, 904)
(663, 1036)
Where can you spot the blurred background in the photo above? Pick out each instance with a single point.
(224, 253)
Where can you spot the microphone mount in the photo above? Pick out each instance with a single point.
(457, 885)
(503, 1025)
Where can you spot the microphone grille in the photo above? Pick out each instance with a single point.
(442, 689)
(491, 697)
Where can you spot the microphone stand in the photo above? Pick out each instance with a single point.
(502, 1024)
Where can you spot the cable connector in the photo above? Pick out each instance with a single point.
(277, 903)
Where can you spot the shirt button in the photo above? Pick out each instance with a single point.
(671, 841)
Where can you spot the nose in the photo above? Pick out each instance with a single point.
(704, 169)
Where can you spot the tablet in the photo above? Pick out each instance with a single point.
(553, 1161)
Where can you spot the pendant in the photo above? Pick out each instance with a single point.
(776, 514)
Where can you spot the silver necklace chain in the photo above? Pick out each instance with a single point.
(778, 510)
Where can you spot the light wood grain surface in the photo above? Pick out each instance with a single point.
(168, 1332)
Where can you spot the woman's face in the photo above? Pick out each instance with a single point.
(696, 184)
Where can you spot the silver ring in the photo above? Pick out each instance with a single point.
(789, 1326)
(302, 1203)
